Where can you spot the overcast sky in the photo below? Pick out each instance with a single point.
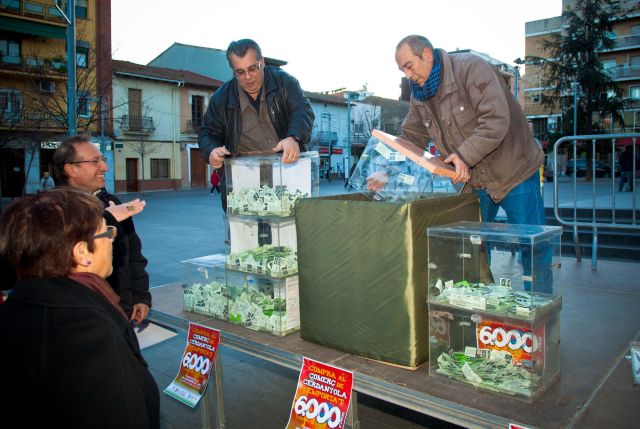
(328, 44)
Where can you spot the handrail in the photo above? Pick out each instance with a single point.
(594, 224)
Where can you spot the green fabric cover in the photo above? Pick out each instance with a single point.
(363, 272)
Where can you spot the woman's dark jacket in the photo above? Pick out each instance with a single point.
(289, 110)
(71, 360)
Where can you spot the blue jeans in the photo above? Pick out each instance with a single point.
(625, 176)
(524, 205)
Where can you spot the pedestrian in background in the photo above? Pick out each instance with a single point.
(46, 183)
(215, 181)
(626, 168)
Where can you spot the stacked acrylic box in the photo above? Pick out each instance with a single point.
(494, 305)
(262, 260)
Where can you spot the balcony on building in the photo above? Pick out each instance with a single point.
(22, 20)
(626, 42)
(26, 66)
(192, 126)
(23, 120)
(327, 137)
(45, 11)
(141, 125)
(624, 72)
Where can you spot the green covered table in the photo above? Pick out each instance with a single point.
(363, 272)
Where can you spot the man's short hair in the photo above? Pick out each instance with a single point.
(416, 44)
(66, 153)
(240, 47)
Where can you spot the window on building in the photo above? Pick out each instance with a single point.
(634, 61)
(10, 104)
(358, 128)
(634, 92)
(390, 128)
(609, 93)
(609, 64)
(82, 58)
(159, 168)
(197, 110)
(81, 9)
(325, 122)
(9, 51)
(11, 4)
(84, 104)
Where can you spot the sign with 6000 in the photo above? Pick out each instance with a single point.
(322, 397)
(519, 341)
(197, 360)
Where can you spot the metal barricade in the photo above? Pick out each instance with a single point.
(594, 224)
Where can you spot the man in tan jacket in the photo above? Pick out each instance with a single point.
(462, 104)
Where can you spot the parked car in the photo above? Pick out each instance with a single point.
(602, 168)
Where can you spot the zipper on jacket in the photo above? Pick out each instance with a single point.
(446, 128)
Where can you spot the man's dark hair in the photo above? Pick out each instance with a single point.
(38, 232)
(66, 153)
(240, 47)
(416, 44)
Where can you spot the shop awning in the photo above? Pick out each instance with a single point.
(324, 150)
(32, 28)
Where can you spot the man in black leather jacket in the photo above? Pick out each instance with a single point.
(261, 111)
(78, 163)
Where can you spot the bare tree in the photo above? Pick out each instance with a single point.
(143, 148)
(369, 118)
(37, 111)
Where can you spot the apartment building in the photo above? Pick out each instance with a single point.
(33, 84)
(157, 116)
(622, 62)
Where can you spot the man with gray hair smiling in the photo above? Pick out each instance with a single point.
(78, 163)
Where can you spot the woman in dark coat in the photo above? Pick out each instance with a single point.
(69, 356)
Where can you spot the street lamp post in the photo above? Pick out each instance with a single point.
(516, 74)
(103, 146)
(347, 159)
(72, 108)
(351, 95)
(576, 88)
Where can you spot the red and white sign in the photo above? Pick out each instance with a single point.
(195, 367)
(518, 341)
(515, 426)
(322, 397)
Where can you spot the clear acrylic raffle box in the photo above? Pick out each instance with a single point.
(265, 186)
(253, 301)
(263, 304)
(494, 305)
(266, 246)
(403, 179)
(205, 286)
